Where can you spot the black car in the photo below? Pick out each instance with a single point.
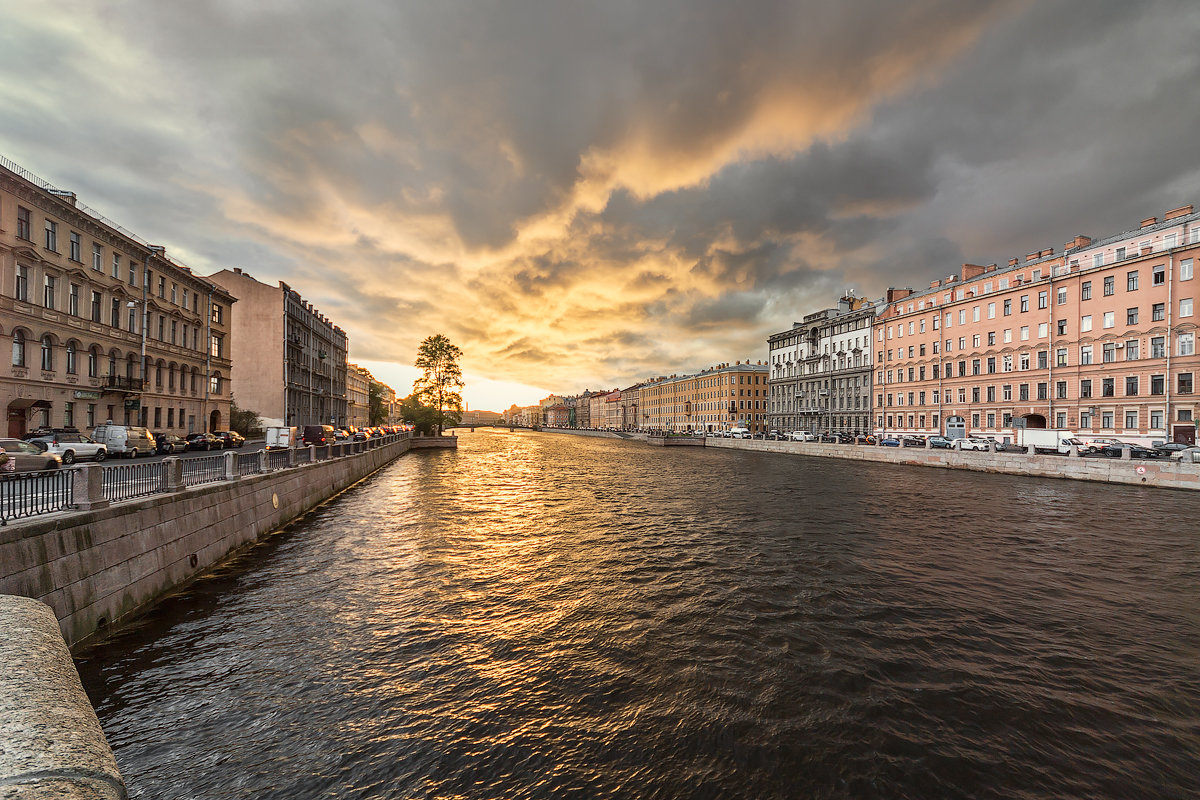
(1172, 447)
(230, 438)
(203, 441)
(1135, 451)
(167, 443)
(319, 434)
(912, 441)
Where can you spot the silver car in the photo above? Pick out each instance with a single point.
(26, 457)
(71, 446)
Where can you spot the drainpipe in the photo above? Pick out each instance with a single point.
(207, 359)
(1170, 332)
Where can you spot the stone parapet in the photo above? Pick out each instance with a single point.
(51, 743)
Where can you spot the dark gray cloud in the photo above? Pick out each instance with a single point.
(597, 192)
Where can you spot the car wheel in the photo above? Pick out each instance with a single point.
(68, 457)
(101, 455)
(133, 453)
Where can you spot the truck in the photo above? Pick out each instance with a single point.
(1045, 440)
(281, 437)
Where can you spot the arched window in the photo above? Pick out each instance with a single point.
(171, 378)
(47, 353)
(195, 380)
(214, 384)
(158, 375)
(71, 369)
(93, 362)
(129, 366)
(18, 348)
(112, 364)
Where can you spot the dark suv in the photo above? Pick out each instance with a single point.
(318, 434)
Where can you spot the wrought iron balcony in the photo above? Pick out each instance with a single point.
(121, 383)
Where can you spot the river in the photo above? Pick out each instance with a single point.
(551, 616)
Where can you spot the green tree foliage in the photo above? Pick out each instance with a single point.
(244, 421)
(438, 386)
(376, 413)
(423, 418)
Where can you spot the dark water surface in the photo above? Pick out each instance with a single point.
(549, 616)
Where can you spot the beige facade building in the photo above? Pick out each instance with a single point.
(358, 396)
(722, 397)
(103, 326)
(289, 360)
(1099, 339)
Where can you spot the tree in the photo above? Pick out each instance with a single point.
(423, 418)
(244, 421)
(438, 386)
(376, 413)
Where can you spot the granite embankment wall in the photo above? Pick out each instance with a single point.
(51, 744)
(1164, 473)
(100, 567)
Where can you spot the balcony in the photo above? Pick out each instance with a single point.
(120, 383)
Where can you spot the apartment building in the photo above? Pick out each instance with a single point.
(358, 396)
(820, 377)
(1099, 339)
(721, 397)
(103, 325)
(289, 360)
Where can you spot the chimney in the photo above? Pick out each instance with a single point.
(970, 271)
(1047, 252)
(950, 279)
(1182, 211)
(1077, 242)
(237, 270)
(990, 268)
(1032, 256)
(934, 284)
(894, 294)
(1012, 262)
(1148, 221)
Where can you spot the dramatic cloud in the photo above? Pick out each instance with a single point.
(587, 194)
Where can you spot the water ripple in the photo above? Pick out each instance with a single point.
(541, 616)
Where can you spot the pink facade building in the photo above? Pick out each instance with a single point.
(1099, 339)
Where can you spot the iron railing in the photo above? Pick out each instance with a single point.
(128, 481)
(277, 459)
(203, 469)
(28, 494)
(246, 463)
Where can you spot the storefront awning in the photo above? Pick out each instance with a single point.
(27, 402)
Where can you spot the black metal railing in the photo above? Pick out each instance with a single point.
(128, 481)
(203, 469)
(28, 494)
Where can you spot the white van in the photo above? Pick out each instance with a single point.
(125, 440)
(281, 438)
(739, 433)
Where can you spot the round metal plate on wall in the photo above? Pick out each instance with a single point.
(275, 500)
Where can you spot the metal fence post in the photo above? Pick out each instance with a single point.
(312, 453)
(291, 456)
(88, 488)
(230, 467)
(262, 460)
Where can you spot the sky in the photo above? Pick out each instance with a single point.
(583, 195)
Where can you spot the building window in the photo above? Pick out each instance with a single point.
(48, 292)
(1060, 357)
(24, 224)
(1156, 420)
(1109, 319)
(1110, 352)
(1159, 275)
(1042, 357)
(218, 313)
(214, 384)
(1131, 281)
(1085, 354)
(1060, 420)
(1158, 312)
(1085, 389)
(1106, 420)
(1062, 296)
(1131, 420)
(1085, 291)
(1131, 316)
(1185, 383)
(1043, 300)
(1060, 390)
(69, 414)
(1158, 347)
(162, 287)
(1043, 391)
(1185, 268)
(1085, 419)
(1085, 323)
(18, 350)
(1131, 385)
(1107, 388)
(1024, 303)
(114, 315)
(1110, 285)
(1006, 391)
(93, 362)
(1023, 392)
(47, 353)
(1185, 307)
(97, 256)
(214, 346)
(1131, 350)
(1008, 307)
(52, 235)
(1187, 344)
(76, 252)
(71, 369)
(1158, 384)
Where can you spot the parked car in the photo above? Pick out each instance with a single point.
(68, 444)
(26, 457)
(1185, 455)
(230, 438)
(203, 441)
(974, 443)
(864, 439)
(802, 436)
(1097, 445)
(1135, 450)
(890, 441)
(125, 440)
(1171, 447)
(940, 442)
(318, 434)
(169, 443)
(913, 441)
